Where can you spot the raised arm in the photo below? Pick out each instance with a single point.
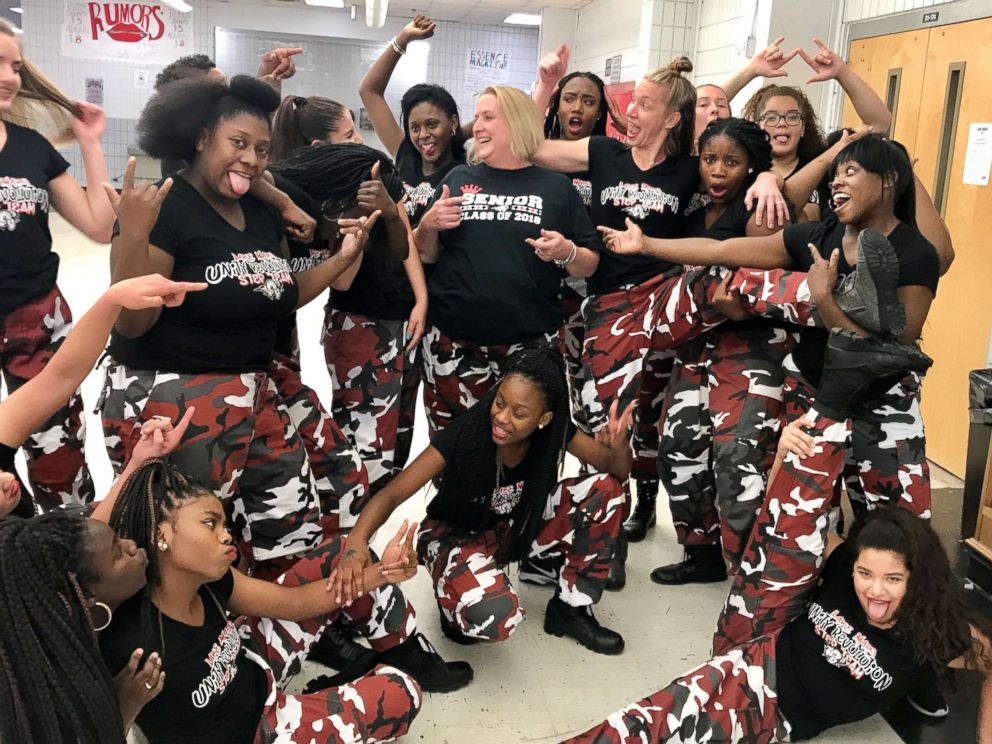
(932, 226)
(277, 65)
(131, 255)
(767, 63)
(372, 89)
(90, 212)
(565, 156)
(32, 404)
(550, 70)
(828, 65)
(802, 184)
(765, 252)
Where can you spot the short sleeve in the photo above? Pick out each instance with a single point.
(581, 230)
(55, 164)
(919, 264)
(839, 564)
(601, 147)
(444, 441)
(223, 588)
(741, 215)
(165, 234)
(797, 239)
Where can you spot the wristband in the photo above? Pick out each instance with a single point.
(562, 262)
(396, 47)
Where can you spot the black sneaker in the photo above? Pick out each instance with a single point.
(336, 650)
(541, 570)
(702, 564)
(580, 624)
(616, 579)
(852, 362)
(418, 658)
(870, 295)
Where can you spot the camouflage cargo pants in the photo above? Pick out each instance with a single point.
(375, 389)
(581, 524)
(241, 443)
(457, 374)
(340, 477)
(377, 707)
(29, 337)
(573, 294)
(731, 699)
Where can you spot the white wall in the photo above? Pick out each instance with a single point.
(558, 26)
(42, 23)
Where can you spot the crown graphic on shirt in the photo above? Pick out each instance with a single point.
(471, 188)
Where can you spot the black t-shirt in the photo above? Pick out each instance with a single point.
(489, 286)
(231, 326)
(381, 288)
(582, 184)
(28, 267)
(655, 199)
(419, 188)
(504, 496)
(918, 265)
(213, 694)
(832, 666)
(732, 222)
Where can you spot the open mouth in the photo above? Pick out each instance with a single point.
(240, 182)
(840, 200)
(499, 433)
(574, 124)
(781, 139)
(632, 130)
(877, 609)
(717, 191)
(428, 150)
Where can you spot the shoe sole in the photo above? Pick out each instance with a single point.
(909, 358)
(883, 266)
(562, 634)
(942, 713)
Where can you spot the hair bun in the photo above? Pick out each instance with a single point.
(681, 64)
(255, 92)
(299, 101)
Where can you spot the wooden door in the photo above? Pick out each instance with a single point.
(957, 331)
(893, 66)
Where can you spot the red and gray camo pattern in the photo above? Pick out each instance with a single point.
(241, 443)
(732, 698)
(29, 336)
(457, 374)
(582, 521)
(375, 389)
(375, 708)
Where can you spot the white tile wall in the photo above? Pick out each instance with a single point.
(42, 22)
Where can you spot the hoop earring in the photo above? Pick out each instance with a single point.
(110, 616)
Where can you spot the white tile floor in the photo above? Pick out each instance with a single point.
(534, 688)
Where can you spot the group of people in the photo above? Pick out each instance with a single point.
(725, 306)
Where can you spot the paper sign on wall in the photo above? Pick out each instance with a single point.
(138, 31)
(978, 156)
(486, 67)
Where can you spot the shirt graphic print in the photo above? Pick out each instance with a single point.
(19, 196)
(639, 200)
(500, 207)
(267, 273)
(222, 662)
(844, 648)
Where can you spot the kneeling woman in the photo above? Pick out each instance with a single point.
(500, 500)
(225, 678)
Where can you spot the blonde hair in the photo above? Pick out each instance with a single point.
(526, 126)
(681, 99)
(39, 104)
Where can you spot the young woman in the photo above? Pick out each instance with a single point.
(651, 179)
(500, 499)
(215, 353)
(225, 689)
(428, 141)
(874, 193)
(34, 316)
(804, 645)
(712, 103)
(503, 233)
(310, 120)
(786, 114)
(722, 408)
(378, 307)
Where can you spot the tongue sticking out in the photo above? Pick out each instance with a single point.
(877, 610)
(239, 183)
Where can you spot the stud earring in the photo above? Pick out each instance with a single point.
(750, 170)
(163, 545)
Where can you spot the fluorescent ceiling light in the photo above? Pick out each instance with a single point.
(179, 5)
(375, 13)
(523, 19)
(326, 3)
(16, 10)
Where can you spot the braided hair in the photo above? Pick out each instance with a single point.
(747, 135)
(174, 118)
(474, 457)
(149, 497)
(54, 685)
(552, 125)
(326, 171)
